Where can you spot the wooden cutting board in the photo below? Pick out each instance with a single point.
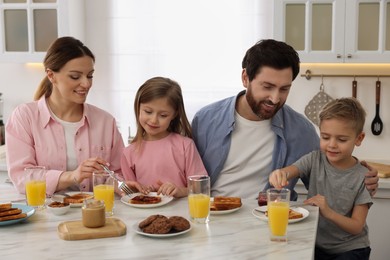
(75, 230)
(383, 169)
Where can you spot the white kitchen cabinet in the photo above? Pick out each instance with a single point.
(28, 27)
(335, 31)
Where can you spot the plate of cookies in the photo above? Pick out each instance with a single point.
(151, 200)
(11, 213)
(160, 226)
(295, 214)
(220, 205)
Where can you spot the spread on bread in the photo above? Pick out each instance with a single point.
(292, 214)
(77, 198)
(225, 203)
(9, 213)
(145, 199)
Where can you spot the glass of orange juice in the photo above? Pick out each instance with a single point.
(278, 205)
(35, 185)
(103, 189)
(199, 198)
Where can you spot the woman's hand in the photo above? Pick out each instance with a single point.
(82, 172)
(87, 168)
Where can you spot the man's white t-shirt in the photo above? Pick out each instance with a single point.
(248, 164)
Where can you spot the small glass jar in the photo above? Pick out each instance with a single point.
(93, 213)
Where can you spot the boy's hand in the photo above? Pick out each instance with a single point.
(319, 201)
(278, 178)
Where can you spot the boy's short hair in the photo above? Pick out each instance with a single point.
(348, 109)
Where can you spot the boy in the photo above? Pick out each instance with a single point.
(336, 182)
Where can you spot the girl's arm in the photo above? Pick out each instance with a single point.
(353, 225)
(279, 177)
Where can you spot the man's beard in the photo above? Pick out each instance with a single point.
(257, 106)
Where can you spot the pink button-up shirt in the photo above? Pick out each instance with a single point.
(34, 137)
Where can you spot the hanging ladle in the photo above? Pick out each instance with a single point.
(377, 125)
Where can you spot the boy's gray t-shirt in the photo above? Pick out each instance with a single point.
(343, 189)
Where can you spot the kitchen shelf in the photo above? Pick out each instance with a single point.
(308, 75)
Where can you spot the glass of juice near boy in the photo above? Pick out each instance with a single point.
(278, 205)
(199, 198)
(103, 189)
(35, 185)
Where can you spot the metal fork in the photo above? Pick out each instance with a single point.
(121, 184)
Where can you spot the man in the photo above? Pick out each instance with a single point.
(243, 138)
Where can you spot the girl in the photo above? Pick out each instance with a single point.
(162, 154)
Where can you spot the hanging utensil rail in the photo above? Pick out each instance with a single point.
(308, 75)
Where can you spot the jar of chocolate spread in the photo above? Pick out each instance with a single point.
(93, 213)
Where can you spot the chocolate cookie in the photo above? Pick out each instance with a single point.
(179, 223)
(161, 225)
(147, 221)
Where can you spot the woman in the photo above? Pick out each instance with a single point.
(59, 130)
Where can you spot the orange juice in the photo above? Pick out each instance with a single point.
(36, 193)
(106, 193)
(199, 205)
(278, 217)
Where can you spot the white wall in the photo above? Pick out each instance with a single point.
(198, 43)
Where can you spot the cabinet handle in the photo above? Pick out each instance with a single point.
(349, 56)
(338, 56)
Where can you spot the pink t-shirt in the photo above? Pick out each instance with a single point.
(171, 159)
(34, 137)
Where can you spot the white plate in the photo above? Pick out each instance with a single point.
(262, 209)
(139, 231)
(25, 209)
(258, 213)
(164, 200)
(222, 212)
(60, 198)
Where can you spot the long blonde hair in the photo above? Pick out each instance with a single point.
(159, 87)
(59, 53)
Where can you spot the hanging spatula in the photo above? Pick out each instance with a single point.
(377, 125)
(354, 88)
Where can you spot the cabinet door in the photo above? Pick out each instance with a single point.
(312, 28)
(28, 27)
(367, 31)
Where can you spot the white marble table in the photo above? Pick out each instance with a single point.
(238, 235)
